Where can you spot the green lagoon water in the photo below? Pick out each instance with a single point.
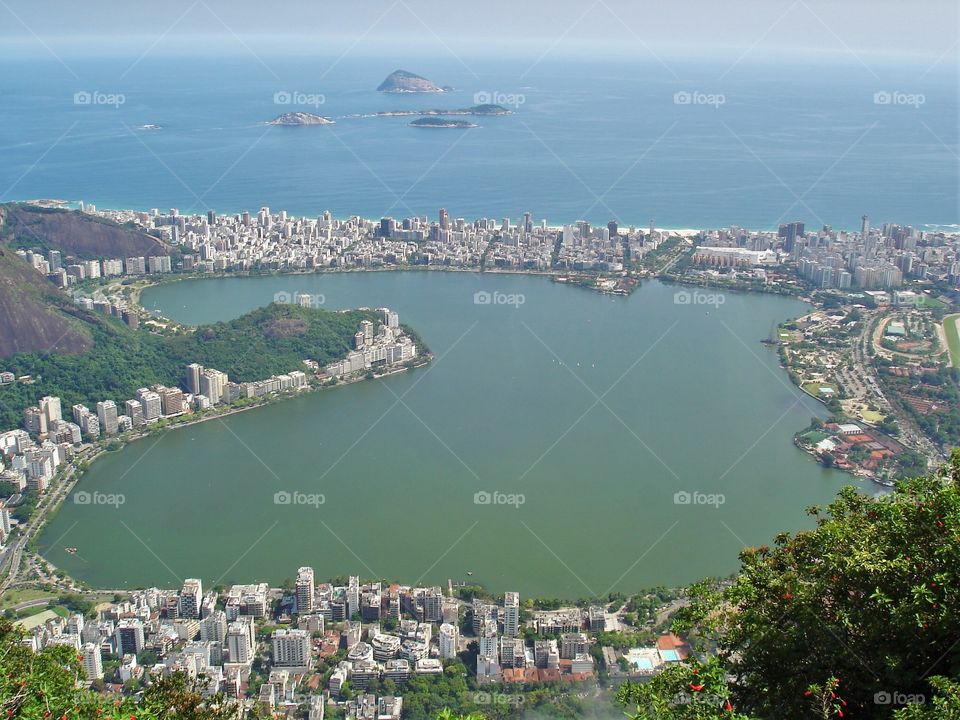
(690, 401)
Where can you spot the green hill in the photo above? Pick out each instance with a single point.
(269, 341)
(83, 357)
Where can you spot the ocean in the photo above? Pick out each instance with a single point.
(686, 144)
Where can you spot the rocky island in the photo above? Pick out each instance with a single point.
(436, 122)
(298, 119)
(402, 81)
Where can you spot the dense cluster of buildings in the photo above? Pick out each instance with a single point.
(278, 241)
(31, 457)
(873, 258)
(506, 656)
(218, 637)
(320, 644)
(63, 275)
(384, 347)
(206, 387)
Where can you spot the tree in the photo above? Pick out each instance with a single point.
(448, 714)
(868, 600)
(44, 685)
(944, 706)
(694, 691)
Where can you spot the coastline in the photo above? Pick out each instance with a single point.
(682, 230)
(135, 290)
(87, 454)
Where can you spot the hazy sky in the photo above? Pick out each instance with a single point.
(927, 28)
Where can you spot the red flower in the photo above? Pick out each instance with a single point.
(696, 688)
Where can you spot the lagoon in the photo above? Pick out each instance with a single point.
(567, 446)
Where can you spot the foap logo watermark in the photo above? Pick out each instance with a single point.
(313, 300)
(496, 497)
(98, 498)
(714, 500)
(85, 97)
(696, 297)
(896, 97)
(898, 698)
(695, 97)
(487, 698)
(295, 97)
(294, 497)
(496, 97)
(482, 297)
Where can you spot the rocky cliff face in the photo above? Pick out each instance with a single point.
(34, 315)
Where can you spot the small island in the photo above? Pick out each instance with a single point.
(478, 110)
(485, 109)
(402, 81)
(436, 122)
(299, 119)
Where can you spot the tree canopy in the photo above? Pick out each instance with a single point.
(855, 618)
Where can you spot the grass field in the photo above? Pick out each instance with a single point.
(953, 338)
(33, 621)
(925, 301)
(15, 597)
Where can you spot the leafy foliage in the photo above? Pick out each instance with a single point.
(867, 600)
(694, 691)
(43, 685)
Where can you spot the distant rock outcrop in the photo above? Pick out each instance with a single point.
(402, 81)
(297, 119)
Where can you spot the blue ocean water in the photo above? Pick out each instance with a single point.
(590, 139)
